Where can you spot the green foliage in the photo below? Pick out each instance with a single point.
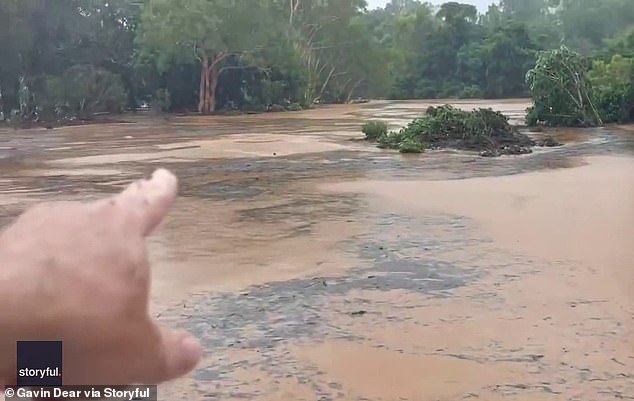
(448, 127)
(566, 93)
(295, 107)
(455, 54)
(276, 108)
(585, 24)
(562, 94)
(162, 100)
(622, 43)
(267, 54)
(411, 145)
(82, 91)
(613, 85)
(471, 92)
(391, 140)
(187, 30)
(373, 130)
(616, 104)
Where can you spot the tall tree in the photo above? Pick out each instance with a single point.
(321, 32)
(585, 24)
(107, 39)
(561, 91)
(207, 32)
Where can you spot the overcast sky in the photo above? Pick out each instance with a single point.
(481, 4)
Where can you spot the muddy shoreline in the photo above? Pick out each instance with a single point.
(316, 267)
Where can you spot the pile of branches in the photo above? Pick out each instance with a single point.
(483, 130)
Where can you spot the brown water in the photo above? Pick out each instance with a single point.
(314, 266)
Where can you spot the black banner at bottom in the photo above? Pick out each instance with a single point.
(127, 393)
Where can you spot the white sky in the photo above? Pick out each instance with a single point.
(481, 4)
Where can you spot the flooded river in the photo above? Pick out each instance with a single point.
(314, 266)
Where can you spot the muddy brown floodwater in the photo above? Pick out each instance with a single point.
(314, 266)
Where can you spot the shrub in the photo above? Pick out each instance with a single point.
(81, 91)
(616, 103)
(391, 140)
(471, 92)
(449, 127)
(373, 130)
(411, 145)
(276, 108)
(162, 100)
(613, 84)
(295, 107)
(92, 90)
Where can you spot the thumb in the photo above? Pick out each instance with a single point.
(178, 353)
(144, 203)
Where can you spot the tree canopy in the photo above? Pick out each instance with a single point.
(257, 55)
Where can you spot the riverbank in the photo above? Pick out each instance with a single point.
(506, 106)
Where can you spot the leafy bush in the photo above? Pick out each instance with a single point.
(451, 90)
(616, 103)
(80, 91)
(295, 107)
(391, 140)
(373, 130)
(162, 100)
(411, 145)
(272, 91)
(448, 127)
(276, 108)
(93, 90)
(613, 84)
(471, 92)
(52, 102)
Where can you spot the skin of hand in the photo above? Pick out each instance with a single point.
(79, 272)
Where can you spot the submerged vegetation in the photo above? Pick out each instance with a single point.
(65, 60)
(373, 130)
(483, 130)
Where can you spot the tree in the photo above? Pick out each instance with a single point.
(562, 94)
(403, 30)
(203, 31)
(323, 35)
(622, 43)
(437, 68)
(48, 39)
(33, 33)
(259, 55)
(527, 11)
(586, 23)
(498, 64)
(106, 39)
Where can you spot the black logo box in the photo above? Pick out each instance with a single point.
(39, 363)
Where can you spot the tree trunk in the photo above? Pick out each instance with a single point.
(206, 109)
(213, 85)
(202, 94)
(323, 87)
(209, 83)
(354, 87)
